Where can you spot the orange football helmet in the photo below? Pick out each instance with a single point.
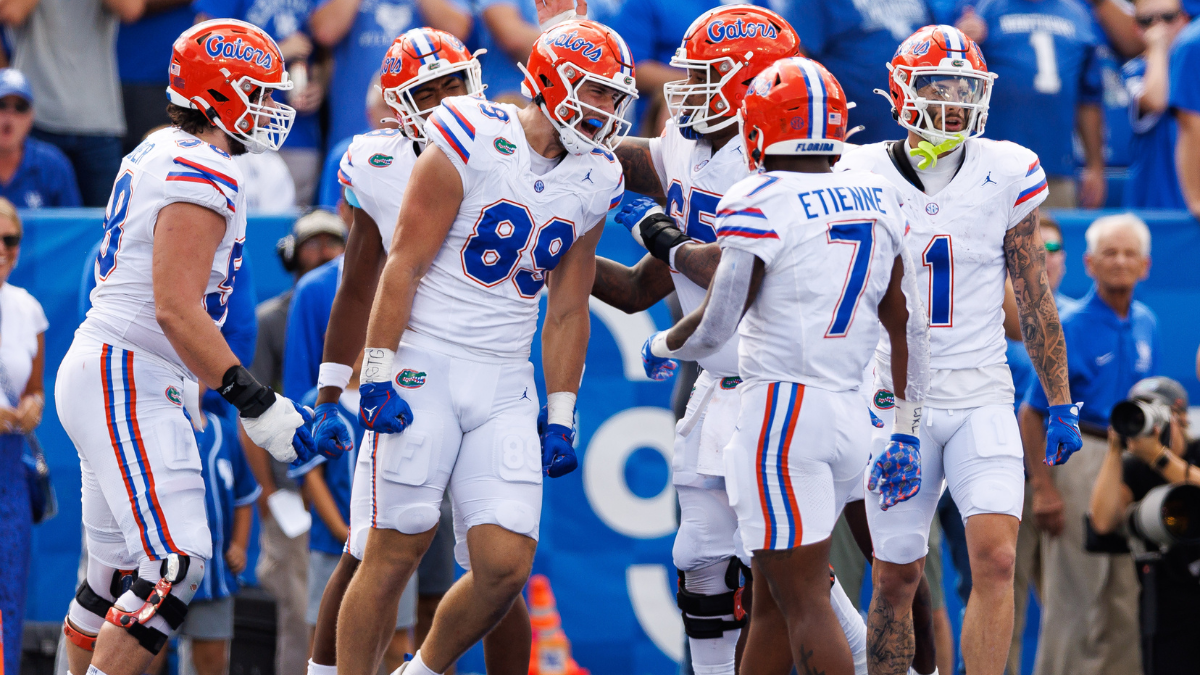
(228, 69)
(422, 55)
(793, 107)
(564, 58)
(939, 68)
(736, 41)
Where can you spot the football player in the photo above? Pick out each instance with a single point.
(975, 205)
(696, 160)
(422, 67)
(174, 232)
(502, 202)
(815, 260)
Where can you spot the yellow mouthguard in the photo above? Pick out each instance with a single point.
(928, 152)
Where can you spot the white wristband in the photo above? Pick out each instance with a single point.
(334, 375)
(907, 419)
(557, 19)
(658, 346)
(377, 365)
(560, 409)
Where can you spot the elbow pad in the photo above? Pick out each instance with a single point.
(917, 330)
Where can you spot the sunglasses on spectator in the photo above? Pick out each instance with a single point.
(11, 240)
(1053, 246)
(1149, 20)
(20, 105)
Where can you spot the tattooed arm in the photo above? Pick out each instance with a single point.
(638, 166)
(1025, 255)
(632, 289)
(698, 261)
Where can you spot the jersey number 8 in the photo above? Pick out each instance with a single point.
(502, 234)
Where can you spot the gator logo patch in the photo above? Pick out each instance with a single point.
(885, 400)
(504, 146)
(410, 379)
(174, 395)
(380, 160)
(730, 383)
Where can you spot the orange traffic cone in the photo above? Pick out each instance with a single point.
(551, 651)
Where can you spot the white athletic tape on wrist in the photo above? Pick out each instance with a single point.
(659, 348)
(557, 19)
(907, 419)
(560, 409)
(377, 365)
(334, 375)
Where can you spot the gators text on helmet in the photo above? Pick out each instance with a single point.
(419, 56)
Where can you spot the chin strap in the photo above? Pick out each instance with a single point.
(928, 152)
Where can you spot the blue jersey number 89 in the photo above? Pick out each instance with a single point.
(493, 251)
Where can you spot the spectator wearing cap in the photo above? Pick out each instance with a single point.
(1153, 182)
(1184, 103)
(855, 39)
(282, 569)
(67, 49)
(33, 173)
(359, 32)
(1045, 53)
(1089, 601)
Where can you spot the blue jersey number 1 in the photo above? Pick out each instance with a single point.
(860, 235)
(939, 258)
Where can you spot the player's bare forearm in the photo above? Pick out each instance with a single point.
(632, 289)
(638, 166)
(1025, 256)
(1089, 122)
(1032, 426)
(186, 237)
(893, 314)
(568, 319)
(347, 330)
(429, 208)
(698, 262)
(316, 490)
(243, 519)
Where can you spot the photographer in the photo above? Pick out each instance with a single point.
(1133, 466)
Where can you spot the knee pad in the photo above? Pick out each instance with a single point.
(94, 597)
(157, 602)
(710, 599)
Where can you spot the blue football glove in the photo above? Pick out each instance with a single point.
(633, 212)
(330, 433)
(896, 475)
(657, 368)
(381, 409)
(878, 423)
(558, 450)
(543, 420)
(1062, 433)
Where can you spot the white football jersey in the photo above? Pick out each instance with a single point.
(694, 179)
(513, 226)
(829, 242)
(169, 166)
(957, 243)
(376, 168)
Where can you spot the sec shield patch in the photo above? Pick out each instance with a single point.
(410, 379)
(504, 146)
(380, 160)
(174, 395)
(885, 400)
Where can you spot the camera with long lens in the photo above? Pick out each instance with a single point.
(1167, 516)
(1137, 417)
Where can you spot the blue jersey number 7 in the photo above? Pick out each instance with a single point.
(860, 235)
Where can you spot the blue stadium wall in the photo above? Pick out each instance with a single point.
(606, 528)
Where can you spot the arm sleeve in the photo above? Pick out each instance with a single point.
(1183, 85)
(730, 287)
(202, 183)
(1027, 191)
(453, 133)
